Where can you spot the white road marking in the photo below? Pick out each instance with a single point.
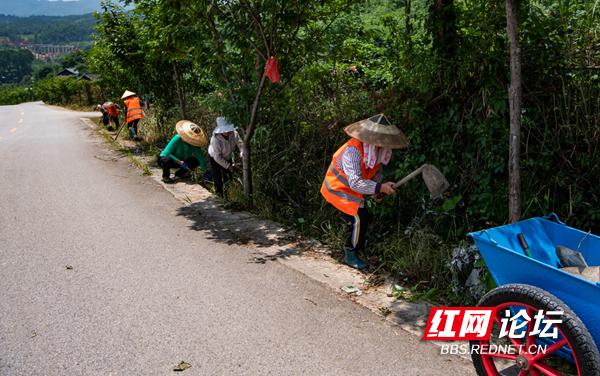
(20, 121)
(13, 130)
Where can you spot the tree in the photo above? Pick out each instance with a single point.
(15, 63)
(244, 35)
(514, 100)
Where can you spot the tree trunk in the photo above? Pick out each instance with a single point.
(180, 92)
(88, 93)
(514, 100)
(246, 160)
(443, 27)
(408, 25)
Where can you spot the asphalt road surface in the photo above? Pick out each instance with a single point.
(145, 291)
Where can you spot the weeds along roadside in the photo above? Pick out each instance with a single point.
(417, 257)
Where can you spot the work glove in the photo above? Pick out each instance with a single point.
(184, 166)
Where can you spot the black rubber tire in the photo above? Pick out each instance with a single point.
(583, 345)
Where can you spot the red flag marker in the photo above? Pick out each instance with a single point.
(271, 70)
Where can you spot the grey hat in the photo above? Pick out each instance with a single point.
(378, 131)
(223, 126)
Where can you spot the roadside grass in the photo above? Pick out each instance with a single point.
(144, 149)
(417, 259)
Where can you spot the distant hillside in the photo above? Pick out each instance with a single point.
(47, 29)
(26, 8)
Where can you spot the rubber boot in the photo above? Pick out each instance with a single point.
(351, 259)
(132, 134)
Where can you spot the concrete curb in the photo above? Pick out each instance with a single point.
(270, 242)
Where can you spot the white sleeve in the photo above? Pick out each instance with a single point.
(215, 151)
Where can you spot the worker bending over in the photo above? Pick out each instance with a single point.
(355, 171)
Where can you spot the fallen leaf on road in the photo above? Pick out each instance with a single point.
(69, 267)
(33, 334)
(352, 290)
(182, 366)
(385, 311)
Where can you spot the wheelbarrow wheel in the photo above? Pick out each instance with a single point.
(574, 352)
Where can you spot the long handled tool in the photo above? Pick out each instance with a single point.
(119, 131)
(434, 180)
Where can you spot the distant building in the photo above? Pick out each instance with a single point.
(48, 51)
(68, 72)
(88, 77)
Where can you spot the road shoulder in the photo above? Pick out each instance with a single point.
(271, 242)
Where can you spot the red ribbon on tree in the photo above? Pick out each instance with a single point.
(271, 70)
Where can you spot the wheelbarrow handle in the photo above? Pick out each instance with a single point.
(554, 216)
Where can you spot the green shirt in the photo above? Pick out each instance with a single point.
(179, 150)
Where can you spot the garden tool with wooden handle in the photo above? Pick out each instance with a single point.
(434, 180)
(119, 131)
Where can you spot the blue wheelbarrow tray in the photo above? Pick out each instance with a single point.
(507, 263)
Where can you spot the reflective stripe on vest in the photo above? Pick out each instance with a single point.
(336, 188)
(341, 194)
(134, 109)
(341, 178)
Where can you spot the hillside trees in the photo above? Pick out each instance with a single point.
(15, 63)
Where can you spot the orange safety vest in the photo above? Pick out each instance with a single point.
(134, 109)
(112, 110)
(336, 189)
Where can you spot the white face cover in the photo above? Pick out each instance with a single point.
(383, 155)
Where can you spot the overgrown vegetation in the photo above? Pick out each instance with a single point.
(438, 69)
(48, 29)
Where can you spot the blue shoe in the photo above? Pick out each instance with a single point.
(351, 259)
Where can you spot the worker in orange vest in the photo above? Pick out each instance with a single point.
(355, 171)
(110, 114)
(134, 113)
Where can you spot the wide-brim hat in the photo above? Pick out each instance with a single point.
(223, 126)
(127, 93)
(378, 131)
(191, 133)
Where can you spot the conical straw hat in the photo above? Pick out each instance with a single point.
(127, 93)
(378, 131)
(191, 133)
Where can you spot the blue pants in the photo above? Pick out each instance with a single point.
(133, 125)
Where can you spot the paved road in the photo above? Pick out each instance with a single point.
(145, 291)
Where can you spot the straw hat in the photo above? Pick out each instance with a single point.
(223, 126)
(378, 131)
(127, 93)
(191, 133)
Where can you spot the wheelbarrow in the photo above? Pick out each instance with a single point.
(528, 284)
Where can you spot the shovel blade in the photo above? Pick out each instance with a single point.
(434, 180)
